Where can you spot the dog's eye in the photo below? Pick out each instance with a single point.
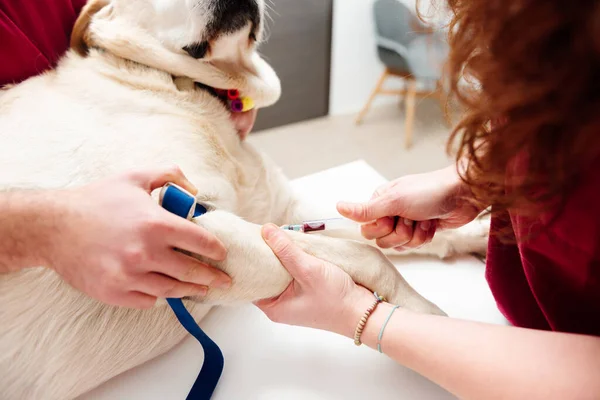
(197, 50)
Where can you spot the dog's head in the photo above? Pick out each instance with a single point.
(213, 42)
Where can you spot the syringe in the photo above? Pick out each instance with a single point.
(322, 225)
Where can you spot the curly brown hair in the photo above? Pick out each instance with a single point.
(535, 65)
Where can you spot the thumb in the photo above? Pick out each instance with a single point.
(378, 207)
(291, 256)
(154, 178)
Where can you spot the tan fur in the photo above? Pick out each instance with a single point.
(80, 40)
(119, 107)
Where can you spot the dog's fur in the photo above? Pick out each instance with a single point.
(123, 98)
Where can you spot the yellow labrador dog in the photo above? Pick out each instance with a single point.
(126, 96)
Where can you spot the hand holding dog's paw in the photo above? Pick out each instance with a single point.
(321, 296)
(114, 243)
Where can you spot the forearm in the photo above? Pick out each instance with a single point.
(475, 361)
(26, 226)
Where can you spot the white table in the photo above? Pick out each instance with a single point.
(275, 362)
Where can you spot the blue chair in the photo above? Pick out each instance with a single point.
(410, 51)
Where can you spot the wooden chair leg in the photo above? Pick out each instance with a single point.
(401, 100)
(367, 106)
(411, 95)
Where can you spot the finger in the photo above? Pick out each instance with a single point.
(137, 300)
(431, 232)
(295, 260)
(269, 307)
(186, 235)
(188, 269)
(378, 229)
(266, 304)
(428, 239)
(291, 292)
(158, 177)
(285, 305)
(402, 234)
(420, 235)
(379, 207)
(165, 287)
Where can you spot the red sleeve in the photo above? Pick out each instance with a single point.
(550, 279)
(561, 260)
(34, 35)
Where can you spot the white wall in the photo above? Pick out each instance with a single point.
(355, 67)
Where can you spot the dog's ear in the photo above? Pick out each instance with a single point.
(80, 38)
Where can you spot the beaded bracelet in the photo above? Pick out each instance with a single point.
(363, 321)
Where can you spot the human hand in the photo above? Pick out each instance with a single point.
(406, 212)
(116, 244)
(244, 122)
(321, 295)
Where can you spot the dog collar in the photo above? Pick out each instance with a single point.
(232, 98)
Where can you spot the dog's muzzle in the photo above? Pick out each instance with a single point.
(230, 16)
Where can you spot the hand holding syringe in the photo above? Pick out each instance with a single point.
(320, 225)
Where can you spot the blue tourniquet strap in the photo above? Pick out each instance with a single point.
(181, 203)
(209, 375)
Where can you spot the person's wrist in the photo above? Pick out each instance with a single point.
(51, 206)
(461, 188)
(375, 323)
(32, 213)
(450, 177)
(355, 306)
(457, 192)
(63, 218)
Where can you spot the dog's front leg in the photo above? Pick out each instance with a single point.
(471, 238)
(257, 274)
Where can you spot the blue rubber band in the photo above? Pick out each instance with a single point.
(177, 201)
(212, 368)
(383, 328)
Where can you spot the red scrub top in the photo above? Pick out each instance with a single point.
(34, 34)
(550, 279)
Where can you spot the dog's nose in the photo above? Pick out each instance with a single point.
(230, 16)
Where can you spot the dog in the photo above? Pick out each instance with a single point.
(132, 91)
